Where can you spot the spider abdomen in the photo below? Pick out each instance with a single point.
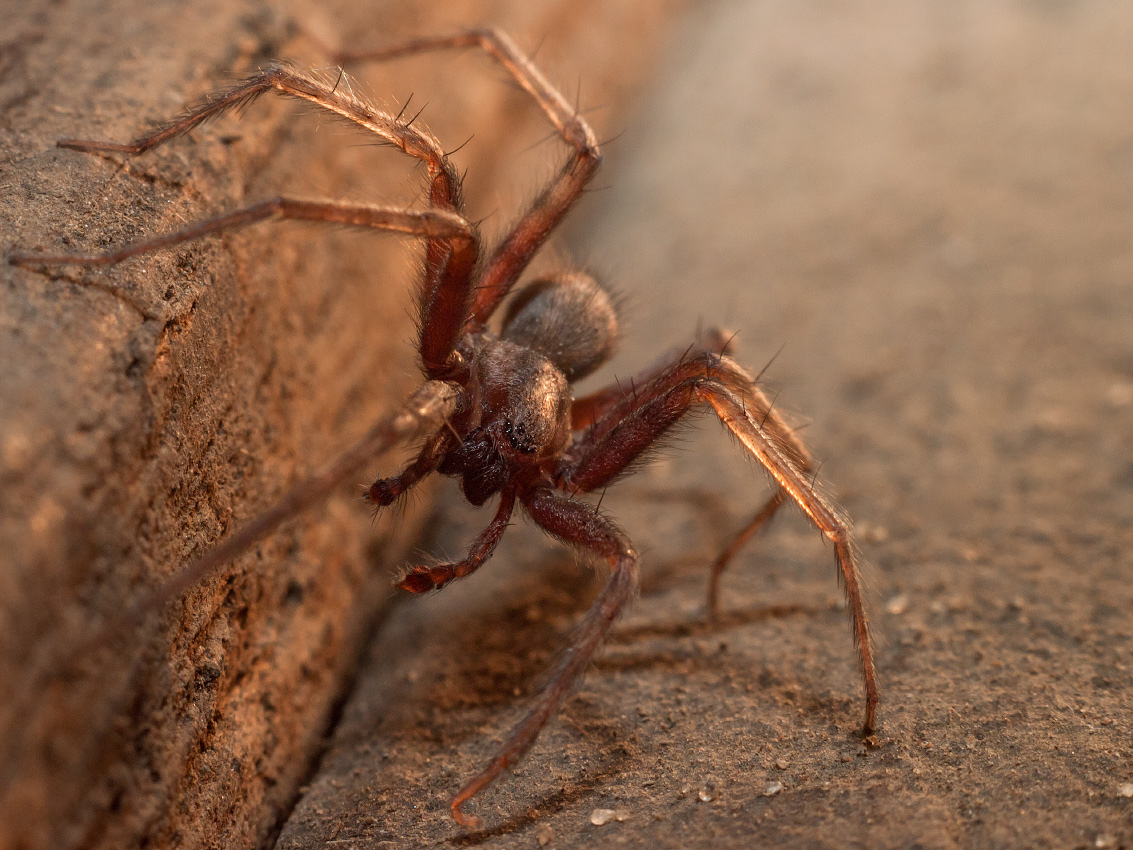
(569, 318)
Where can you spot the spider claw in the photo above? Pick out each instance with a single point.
(465, 820)
(417, 582)
(384, 492)
(422, 579)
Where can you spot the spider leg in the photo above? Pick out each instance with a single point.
(635, 422)
(446, 292)
(578, 525)
(385, 491)
(761, 518)
(429, 224)
(511, 256)
(421, 579)
(432, 402)
(587, 410)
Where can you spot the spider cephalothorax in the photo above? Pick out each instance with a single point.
(503, 416)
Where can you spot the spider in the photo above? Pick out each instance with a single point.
(496, 408)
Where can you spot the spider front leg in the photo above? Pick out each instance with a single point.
(515, 251)
(638, 419)
(586, 412)
(446, 291)
(429, 224)
(577, 525)
(421, 579)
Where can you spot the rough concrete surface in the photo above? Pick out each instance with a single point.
(149, 409)
(929, 207)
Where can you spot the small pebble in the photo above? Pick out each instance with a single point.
(772, 788)
(1126, 790)
(871, 533)
(782, 764)
(1105, 840)
(601, 817)
(707, 792)
(544, 834)
(898, 604)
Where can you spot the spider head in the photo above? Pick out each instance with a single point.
(525, 401)
(520, 418)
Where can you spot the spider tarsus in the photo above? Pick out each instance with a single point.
(420, 582)
(464, 819)
(385, 491)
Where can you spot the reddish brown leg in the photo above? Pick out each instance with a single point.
(385, 491)
(422, 578)
(432, 403)
(632, 420)
(576, 524)
(586, 411)
(635, 422)
(430, 224)
(609, 406)
(446, 293)
(830, 521)
(512, 255)
(762, 517)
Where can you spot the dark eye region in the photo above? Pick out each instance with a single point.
(520, 440)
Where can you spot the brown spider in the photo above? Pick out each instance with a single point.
(498, 407)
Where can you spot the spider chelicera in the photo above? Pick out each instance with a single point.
(497, 408)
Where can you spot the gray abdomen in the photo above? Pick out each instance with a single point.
(568, 318)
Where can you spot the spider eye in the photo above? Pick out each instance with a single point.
(519, 438)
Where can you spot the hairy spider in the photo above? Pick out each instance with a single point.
(497, 406)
